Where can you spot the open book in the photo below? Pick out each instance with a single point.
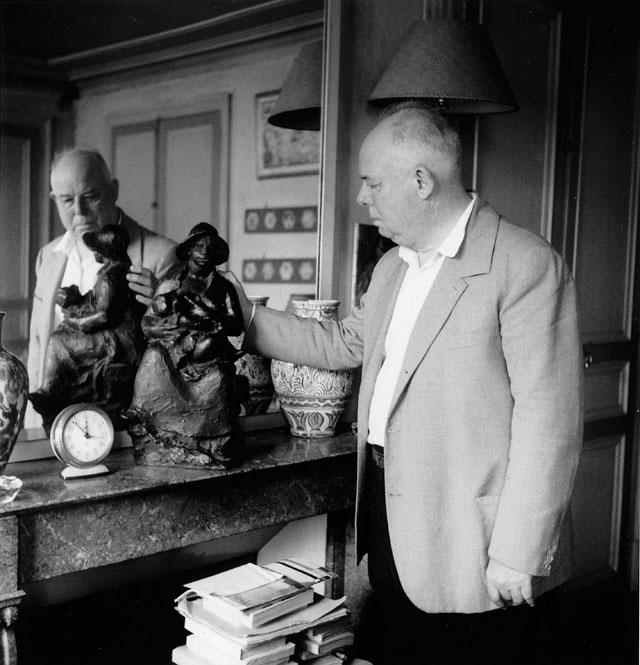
(252, 595)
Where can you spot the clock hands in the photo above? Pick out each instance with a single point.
(85, 430)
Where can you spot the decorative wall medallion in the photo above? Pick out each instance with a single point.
(302, 219)
(279, 271)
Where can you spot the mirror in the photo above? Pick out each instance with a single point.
(194, 112)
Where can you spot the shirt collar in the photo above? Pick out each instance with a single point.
(67, 243)
(450, 246)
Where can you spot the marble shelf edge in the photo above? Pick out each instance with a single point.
(55, 529)
(269, 449)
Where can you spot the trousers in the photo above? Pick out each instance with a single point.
(392, 631)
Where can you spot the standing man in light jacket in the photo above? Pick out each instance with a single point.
(85, 195)
(470, 406)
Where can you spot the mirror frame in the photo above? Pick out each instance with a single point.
(152, 52)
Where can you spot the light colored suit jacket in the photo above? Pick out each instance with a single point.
(485, 427)
(146, 248)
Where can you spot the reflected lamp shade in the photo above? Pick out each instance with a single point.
(299, 102)
(450, 64)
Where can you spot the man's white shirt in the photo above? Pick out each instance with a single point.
(84, 273)
(414, 290)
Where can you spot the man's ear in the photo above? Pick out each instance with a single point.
(115, 188)
(424, 182)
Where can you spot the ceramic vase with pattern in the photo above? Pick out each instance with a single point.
(256, 371)
(312, 399)
(14, 388)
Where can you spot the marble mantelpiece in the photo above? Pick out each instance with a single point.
(56, 527)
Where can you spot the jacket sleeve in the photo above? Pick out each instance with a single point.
(158, 252)
(542, 351)
(166, 262)
(324, 344)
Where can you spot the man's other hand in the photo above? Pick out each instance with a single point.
(507, 586)
(143, 283)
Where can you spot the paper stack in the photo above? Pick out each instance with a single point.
(323, 640)
(262, 615)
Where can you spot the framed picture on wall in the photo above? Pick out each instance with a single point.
(283, 152)
(368, 248)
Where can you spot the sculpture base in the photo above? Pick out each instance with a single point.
(155, 447)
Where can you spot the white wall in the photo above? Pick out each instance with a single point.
(179, 90)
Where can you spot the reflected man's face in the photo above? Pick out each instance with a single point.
(84, 195)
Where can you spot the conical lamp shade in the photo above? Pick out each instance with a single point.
(451, 63)
(298, 105)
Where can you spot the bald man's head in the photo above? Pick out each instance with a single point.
(83, 190)
(411, 180)
(422, 136)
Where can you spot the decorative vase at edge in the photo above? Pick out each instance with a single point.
(312, 399)
(14, 389)
(257, 371)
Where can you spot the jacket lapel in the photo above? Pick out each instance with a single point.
(54, 270)
(380, 324)
(134, 250)
(474, 258)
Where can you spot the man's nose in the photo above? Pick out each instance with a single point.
(362, 198)
(79, 206)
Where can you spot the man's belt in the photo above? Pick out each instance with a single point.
(377, 454)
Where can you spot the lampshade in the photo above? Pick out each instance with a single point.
(298, 104)
(451, 64)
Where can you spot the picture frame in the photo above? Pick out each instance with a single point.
(280, 151)
(368, 248)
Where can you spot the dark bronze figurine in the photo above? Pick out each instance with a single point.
(185, 402)
(94, 353)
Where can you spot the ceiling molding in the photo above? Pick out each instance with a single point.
(36, 84)
(187, 42)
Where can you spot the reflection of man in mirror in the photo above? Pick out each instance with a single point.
(93, 354)
(85, 195)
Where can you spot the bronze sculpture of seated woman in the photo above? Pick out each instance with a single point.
(94, 353)
(185, 400)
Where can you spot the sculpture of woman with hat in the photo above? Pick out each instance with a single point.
(94, 353)
(185, 403)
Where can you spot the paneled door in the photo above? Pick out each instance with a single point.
(565, 167)
(172, 170)
(20, 236)
(596, 224)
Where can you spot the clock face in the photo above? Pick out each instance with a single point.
(82, 435)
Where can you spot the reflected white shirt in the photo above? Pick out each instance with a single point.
(414, 290)
(84, 273)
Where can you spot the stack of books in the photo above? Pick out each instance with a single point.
(323, 640)
(262, 615)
